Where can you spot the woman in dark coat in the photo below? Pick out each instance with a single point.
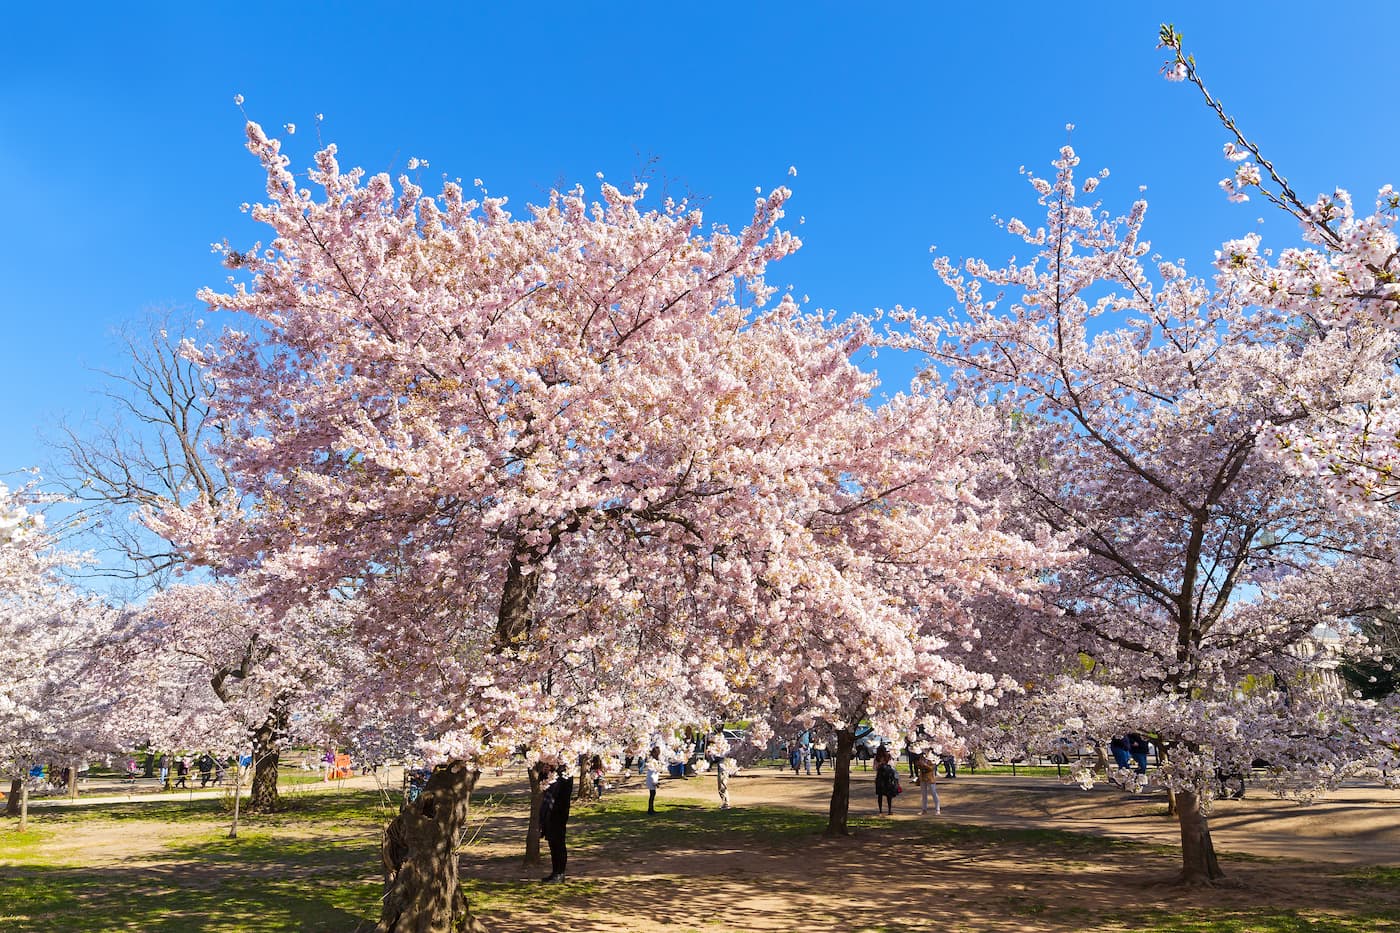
(554, 819)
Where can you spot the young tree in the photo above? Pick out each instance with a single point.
(1137, 408)
(464, 415)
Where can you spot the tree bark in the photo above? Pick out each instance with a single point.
(149, 768)
(532, 834)
(841, 784)
(262, 793)
(12, 801)
(1198, 862)
(584, 790)
(421, 894)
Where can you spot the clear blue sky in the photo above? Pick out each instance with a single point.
(121, 149)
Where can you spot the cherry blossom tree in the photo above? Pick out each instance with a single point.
(1346, 270)
(922, 554)
(202, 666)
(1138, 404)
(48, 710)
(481, 423)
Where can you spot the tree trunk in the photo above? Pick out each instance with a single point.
(72, 788)
(262, 794)
(24, 806)
(532, 834)
(149, 769)
(12, 801)
(841, 784)
(1198, 863)
(421, 894)
(584, 791)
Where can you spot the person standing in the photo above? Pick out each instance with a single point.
(795, 757)
(165, 770)
(886, 783)
(1137, 748)
(554, 821)
(806, 756)
(819, 755)
(722, 781)
(928, 782)
(653, 772)
(182, 771)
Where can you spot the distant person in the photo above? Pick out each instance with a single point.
(722, 780)
(206, 769)
(886, 783)
(795, 757)
(554, 821)
(950, 764)
(652, 764)
(595, 773)
(182, 771)
(819, 755)
(928, 783)
(1122, 756)
(1137, 748)
(165, 771)
(806, 757)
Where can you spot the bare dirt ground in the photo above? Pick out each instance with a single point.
(898, 879)
(1289, 867)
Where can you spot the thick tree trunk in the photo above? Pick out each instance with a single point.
(12, 801)
(23, 806)
(841, 784)
(584, 791)
(421, 894)
(532, 834)
(1198, 862)
(262, 794)
(149, 769)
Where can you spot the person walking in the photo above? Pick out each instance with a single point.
(554, 821)
(928, 783)
(182, 771)
(806, 757)
(653, 772)
(819, 755)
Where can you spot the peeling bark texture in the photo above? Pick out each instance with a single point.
(419, 849)
(262, 795)
(841, 784)
(1198, 862)
(532, 834)
(12, 801)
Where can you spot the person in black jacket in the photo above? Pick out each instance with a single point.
(554, 819)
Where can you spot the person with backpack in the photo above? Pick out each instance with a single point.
(886, 780)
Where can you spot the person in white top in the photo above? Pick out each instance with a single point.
(653, 769)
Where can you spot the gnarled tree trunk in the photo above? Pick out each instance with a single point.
(421, 894)
(12, 801)
(262, 795)
(532, 834)
(841, 784)
(1198, 862)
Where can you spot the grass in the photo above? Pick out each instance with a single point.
(314, 867)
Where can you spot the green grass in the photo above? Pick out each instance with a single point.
(314, 867)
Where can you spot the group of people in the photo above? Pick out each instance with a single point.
(802, 755)
(1129, 752)
(206, 764)
(887, 784)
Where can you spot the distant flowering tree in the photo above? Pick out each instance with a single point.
(590, 430)
(1138, 407)
(200, 666)
(49, 712)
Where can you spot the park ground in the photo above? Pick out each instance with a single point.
(1008, 853)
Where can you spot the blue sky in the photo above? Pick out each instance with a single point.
(121, 149)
